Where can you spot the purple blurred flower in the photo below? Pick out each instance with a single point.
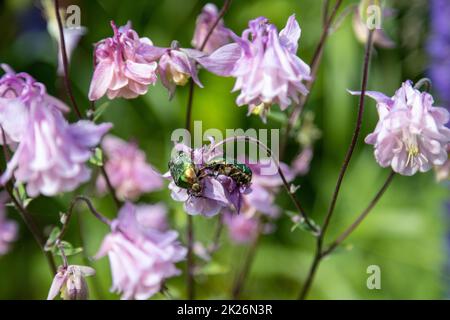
(439, 49)
(127, 170)
(8, 228)
(141, 258)
(124, 66)
(217, 191)
(265, 65)
(51, 153)
(410, 135)
(220, 35)
(18, 91)
(70, 282)
(242, 228)
(152, 216)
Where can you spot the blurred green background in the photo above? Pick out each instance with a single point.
(406, 233)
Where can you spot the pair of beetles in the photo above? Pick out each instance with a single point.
(188, 176)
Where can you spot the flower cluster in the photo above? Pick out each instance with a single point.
(127, 169)
(50, 154)
(141, 257)
(410, 135)
(126, 65)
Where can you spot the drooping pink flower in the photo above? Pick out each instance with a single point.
(71, 283)
(141, 258)
(127, 170)
(265, 65)
(217, 191)
(124, 67)
(220, 35)
(52, 156)
(176, 66)
(8, 228)
(410, 135)
(17, 92)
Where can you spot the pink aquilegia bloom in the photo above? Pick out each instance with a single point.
(141, 258)
(127, 169)
(242, 228)
(17, 92)
(301, 163)
(265, 65)
(410, 135)
(220, 35)
(176, 66)
(124, 68)
(217, 191)
(50, 154)
(8, 228)
(71, 283)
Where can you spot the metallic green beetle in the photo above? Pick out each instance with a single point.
(187, 176)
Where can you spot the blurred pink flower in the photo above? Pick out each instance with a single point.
(410, 135)
(301, 163)
(141, 258)
(52, 156)
(17, 92)
(241, 227)
(443, 171)
(127, 170)
(51, 153)
(152, 216)
(265, 65)
(70, 282)
(220, 35)
(8, 228)
(124, 66)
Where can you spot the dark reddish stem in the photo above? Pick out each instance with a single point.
(65, 61)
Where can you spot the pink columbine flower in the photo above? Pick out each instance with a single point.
(127, 169)
(410, 135)
(50, 153)
(217, 191)
(71, 283)
(302, 161)
(265, 65)
(176, 66)
(124, 67)
(17, 92)
(8, 228)
(141, 258)
(220, 35)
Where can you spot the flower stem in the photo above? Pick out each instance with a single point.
(319, 242)
(89, 204)
(315, 63)
(32, 226)
(190, 222)
(65, 61)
